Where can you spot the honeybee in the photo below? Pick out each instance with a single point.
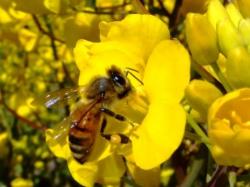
(85, 120)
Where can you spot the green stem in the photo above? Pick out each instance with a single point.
(196, 169)
(221, 77)
(198, 130)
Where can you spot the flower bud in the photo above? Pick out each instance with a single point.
(238, 67)
(201, 38)
(32, 7)
(234, 14)
(216, 12)
(3, 145)
(200, 95)
(82, 26)
(228, 36)
(28, 39)
(244, 6)
(19, 182)
(244, 29)
(229, 128)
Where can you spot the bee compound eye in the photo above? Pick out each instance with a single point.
(118, 80)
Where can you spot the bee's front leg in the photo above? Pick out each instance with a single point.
(119, 117)
(113, 114)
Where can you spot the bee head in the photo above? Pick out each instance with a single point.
(120, 82)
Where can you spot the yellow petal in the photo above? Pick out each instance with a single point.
(100, 150)
(201, 38)
(19, 182)
(140, 30)
(145, 178)
(110, 170)
(242, 140)
(56, 139)
(244, 6)
(53, 6)
(82, 54)
(85, 174)
(234, 14)
(216, 12)
(159, 135)
(200, 95)
(94, 59)
(82, 26)
(107, 171)
(228, 128)
(4, 16)
(228, 36)
(167, 72)
(33, 7)
(222, 138)
(237, 67)
(27, 38)
(193, 6)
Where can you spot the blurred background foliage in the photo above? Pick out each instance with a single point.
(36, 42)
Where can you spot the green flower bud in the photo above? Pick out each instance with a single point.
(238, 67)
(216, 12)
(200, 95)
(228, 36)
(201, 39)
(234, 14)
(244, 6)
(244, 29)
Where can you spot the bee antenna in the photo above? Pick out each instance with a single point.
(128, 71)
(128, 68)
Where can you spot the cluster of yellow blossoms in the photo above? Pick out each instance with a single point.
(220, 38)
(218, 41)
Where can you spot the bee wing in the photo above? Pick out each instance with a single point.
(58, 135)
(61, 96)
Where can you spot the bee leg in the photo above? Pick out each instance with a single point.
(116, 116)
(112, 114)
(103, 126)
(114, 138)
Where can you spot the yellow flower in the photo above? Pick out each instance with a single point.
(20, 182)
(200, 95)
(145, 178)
(201, 39)
(27, 39)
(140, 42)
(83, 25)
(229, 128)
(3, 145)
(244, 6)
(237, 67)
(34, 7)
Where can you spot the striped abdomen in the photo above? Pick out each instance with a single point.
(82, 134)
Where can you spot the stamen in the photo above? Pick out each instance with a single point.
(226, 121)
(247, 124)
(236, 127)
(236, 118)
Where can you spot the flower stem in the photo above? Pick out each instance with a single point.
(198, 130)
(221, 77)
(196, 168)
